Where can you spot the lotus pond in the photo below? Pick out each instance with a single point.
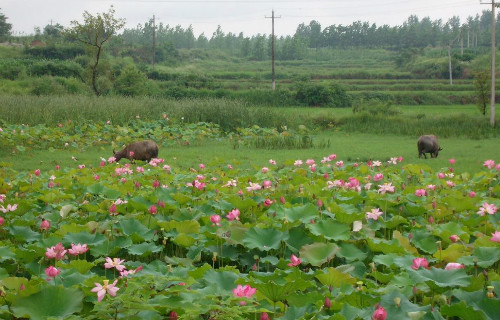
(304, 239)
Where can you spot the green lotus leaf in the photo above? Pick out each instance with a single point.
(91, 239)
(351, 252)
(300, 312)
(483, 256)
(395, 221)
(264, 239)
(479, 301)
(444, 231)
(218, 282)
(423, 240)
(400, 310)
(330, 229)
(335, 278)
(303, 213)
(318, 253)
(50, 302)
(24, 233)
(463, 311)
(346, 213)
(404, 241)
(450, 254)
(385, 246)
(184, 240)
(440, 279)
(82, 266)
(139, 203)
(298, 237)
(144, 249)
(133, 226)
(6, 254)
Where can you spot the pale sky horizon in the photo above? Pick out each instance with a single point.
(247, 16)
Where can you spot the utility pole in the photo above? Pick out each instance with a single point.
(493, 53)
(273, 85)
(154, 42)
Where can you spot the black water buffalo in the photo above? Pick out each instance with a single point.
(139, 150)
(428, 144)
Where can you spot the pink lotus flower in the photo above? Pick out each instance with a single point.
(420, 262)
(378, 177)
(441, 175)
(454, 238)
(454, 265)
(114, 263)
(420, 192)
(77, 249)
(333, 156)
(327, 304)
(450, 184)
(125, 273)
(487, 209)
(56, 252)
(379, 314)
(271, 161)
(111, 159)
(101, 290)
(268, 202)
(156, 184)
(374, 214)
(472, 194)
(45, 225)
(9, 208)
(297, 163)
(2, 198)
(495, 237)
(264, 169)
(489, 164)
(253, 186)
(497, 167)
(139, 169)
(37, 172)
(52, 272)
(2, 221)
(294, 261)
(215, 219)
(431, 187)
(339, 164)
(202, 166)
(310, 162)
(233, 215)
(244, 291)
(452, 161)
(267, 184)
(386, 187)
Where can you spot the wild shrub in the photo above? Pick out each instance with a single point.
(320, 95)
(130, 82)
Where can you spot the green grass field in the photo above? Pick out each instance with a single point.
(356, 147)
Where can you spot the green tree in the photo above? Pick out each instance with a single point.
(94, 32)
(131, 82)
(482, 86)
(4, 27)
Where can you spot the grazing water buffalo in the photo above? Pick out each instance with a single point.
(139, 150)
(428, 144)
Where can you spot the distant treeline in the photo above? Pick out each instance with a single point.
(413, 33)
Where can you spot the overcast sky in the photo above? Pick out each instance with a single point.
(236, 16)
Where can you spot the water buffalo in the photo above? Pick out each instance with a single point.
(139, 150)
(428, 144)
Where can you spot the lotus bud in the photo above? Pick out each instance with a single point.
(173, 315)
(397, 301)
(491, 292)
(327, 304)
(264, 316)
